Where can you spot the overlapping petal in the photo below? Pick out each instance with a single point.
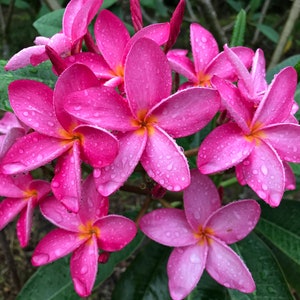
(24, 223)
(9, 188)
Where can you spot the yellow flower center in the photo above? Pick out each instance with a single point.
(203, 235)
(203, 80)
(143, 123)
(86, 231)
(256, 133)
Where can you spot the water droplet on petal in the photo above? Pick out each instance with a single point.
(264, 169)
(40, 259)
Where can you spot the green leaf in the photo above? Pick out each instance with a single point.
(146, 277)
(49, 24)
(108, 3)
(269, 32)
(41, 73)
(239, 30)
(297, 68)
(53, 281)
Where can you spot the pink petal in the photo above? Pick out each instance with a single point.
(55, 212)
(92, 205)
(103, 107)
(227, 268)
(197, 108)
(7, 140)
(66, 183)
(165, 162)
(115, 232)
(32, 102)
(84, 266)
(98, 146)
(9, 121)
(234, 221)
(285, 138)
(168, 226)
(277, 100)
(111, 37)
(55, 245)
(8, 187)
(290, 180)
(147, 76)
(75, 78)
(42, 188)
(60, 43)
(110, 178)
(204, 47)
(31, 152)
(185, 268)
(201, 199)
(9, 209)
(224, 147)
(264, 173)
(24, 223)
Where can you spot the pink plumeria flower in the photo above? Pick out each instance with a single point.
(147, 123)
(77, 16)
(207, 59)
(23, 194)
(83, 233)
(57, 134)
(200, 234)
(257, 142)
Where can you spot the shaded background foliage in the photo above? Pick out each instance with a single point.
(268, 251)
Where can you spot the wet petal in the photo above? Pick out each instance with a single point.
(168, 226)
(8, 187)
(290, 180)
(24, 223)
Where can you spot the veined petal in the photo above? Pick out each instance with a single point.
(24, 223)
(8, 187)
(92, 205)
(147, 76)
(234, 221)
(168, 226)
(285, 138)
(110, 178)
(32, 102)
(264, 173)
(66, 183)
(227, 268)
(165, 162)
(84, 266)
(55, 212)
(98, 146)
(55, 245)
(103, 107)
(204, 46)
(201, 199)
(277, 103)
(185, 268)
(111, 37)
(187, 111)
(225, 147)
(115, 232)
(32, 151)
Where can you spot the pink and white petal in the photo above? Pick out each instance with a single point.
(165, 162)
(187, 111)
(55, 245)
(60, 43)
(277, 100)
(182, 65)
(103, 107)
(110, 178)
(147, 76)
(111, 37)
(8, 187)
(204, 47)
(264, 173)
(32, 102)
(98, 146)
(92, 205)
(234, 103)
(201, 199)
(23, 57)
(234, 221)
(290, 180)
(115, 232)
(75, 78)
(285, 139)
(225, 147)
(168, 226)
(185, 268)
(31, 152)
(24, 223)
(9, 209)
(9, 121)
(55, 212)
(66, 183)
(223, 68)
(258, 72)
(227, 268)
(84, 267)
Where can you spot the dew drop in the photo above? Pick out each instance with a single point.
(264, 169)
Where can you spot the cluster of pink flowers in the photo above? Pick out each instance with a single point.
(113, 107)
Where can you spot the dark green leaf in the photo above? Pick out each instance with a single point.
(269, 32)
(239, 30)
